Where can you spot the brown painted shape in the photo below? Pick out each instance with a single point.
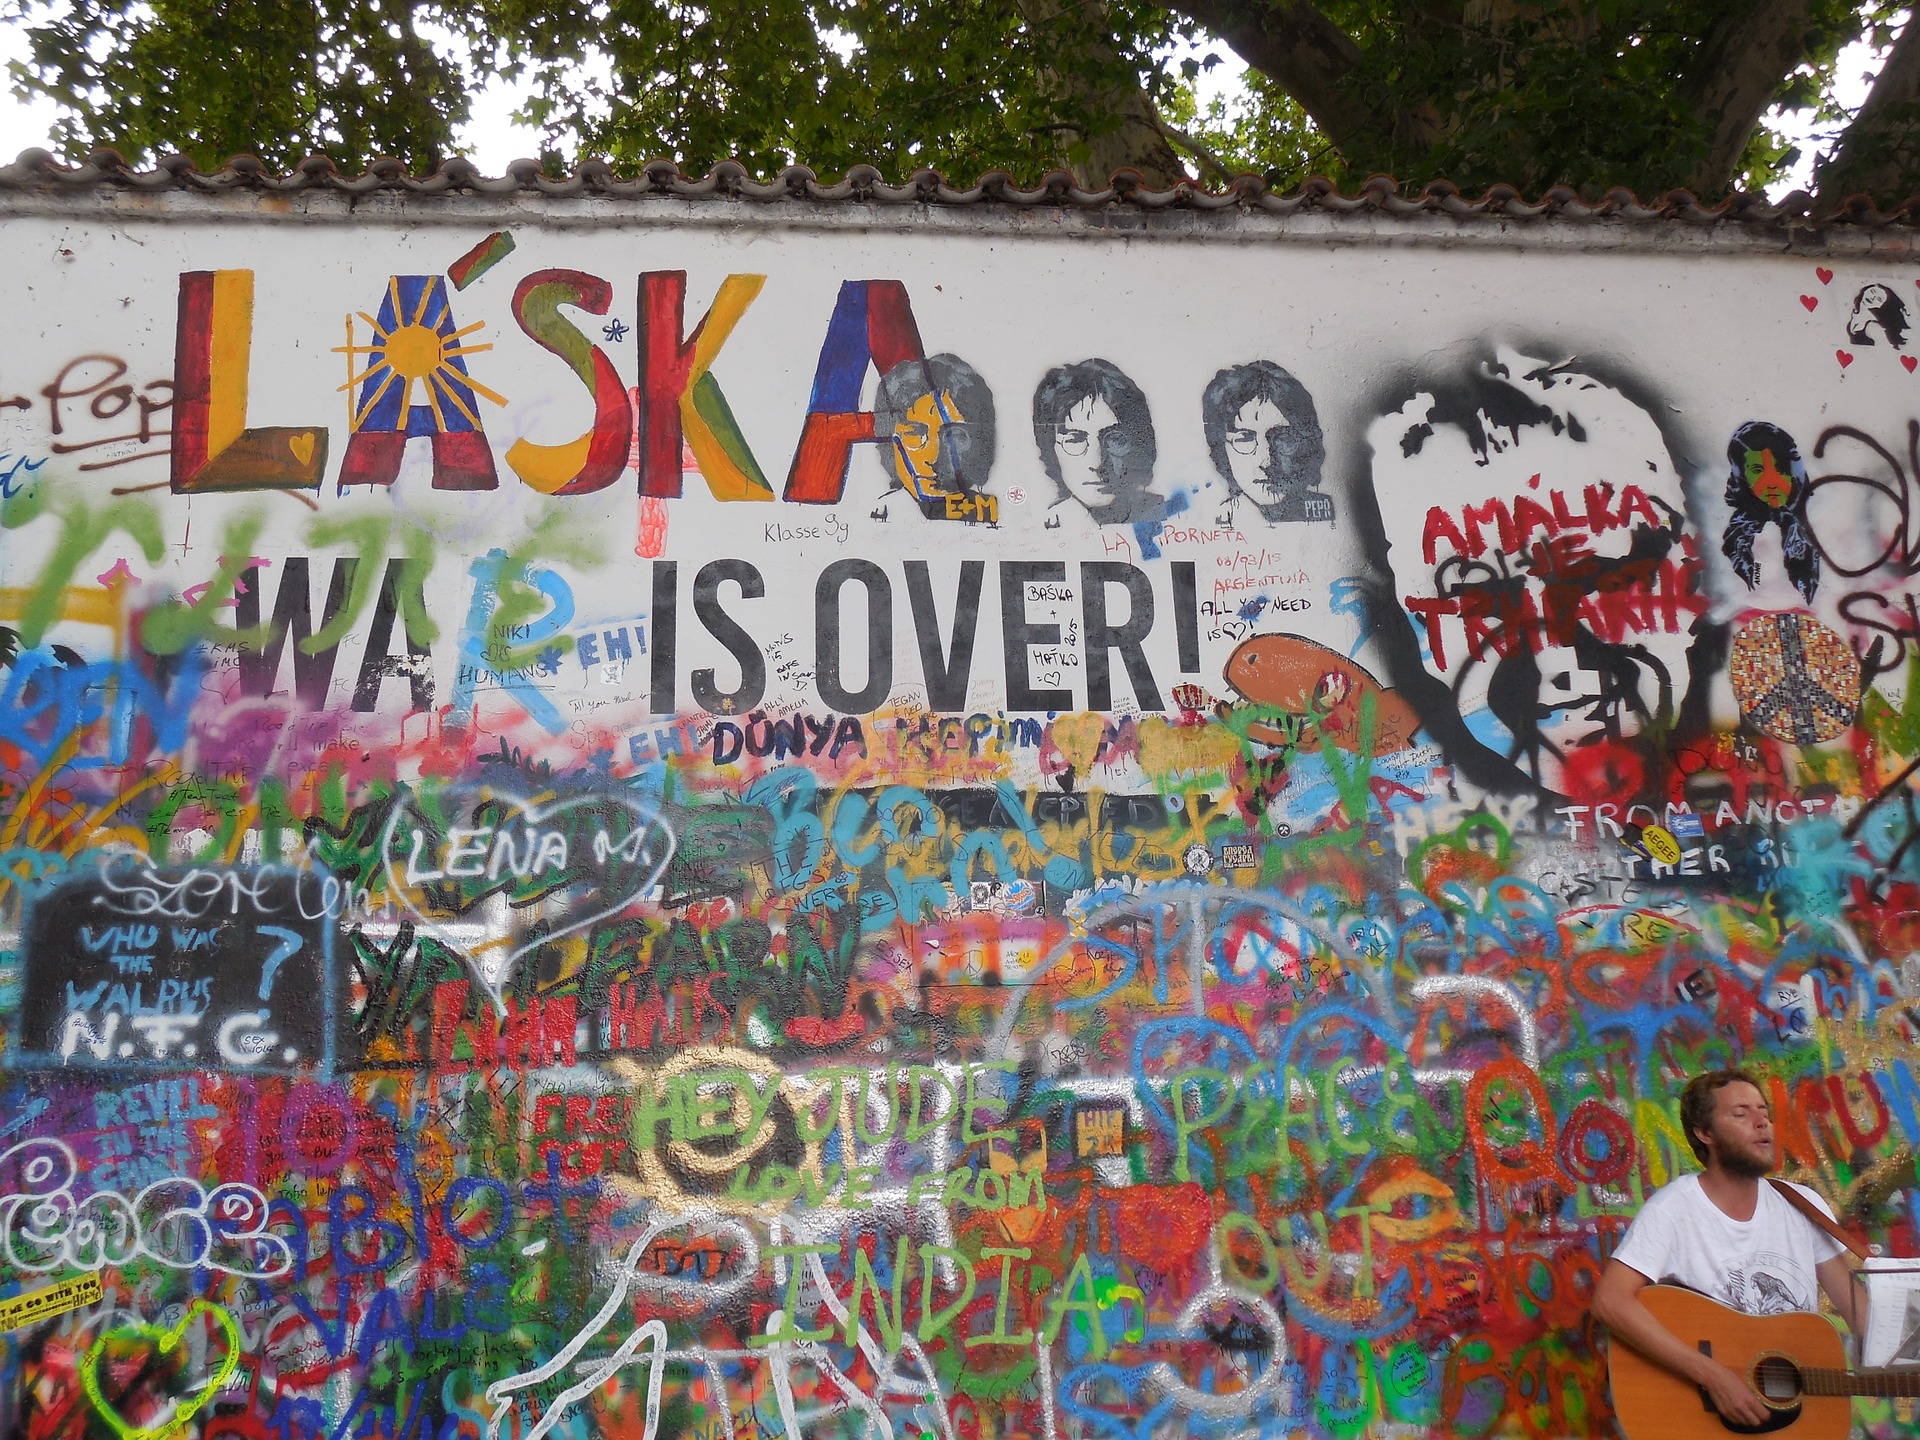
(269, 457)
(1306, 679)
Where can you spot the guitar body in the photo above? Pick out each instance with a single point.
(1655, 1404)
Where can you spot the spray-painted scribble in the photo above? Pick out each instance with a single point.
(519, 923)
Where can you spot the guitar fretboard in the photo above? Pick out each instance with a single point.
(1890, 1384)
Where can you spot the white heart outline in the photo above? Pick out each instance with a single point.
(397, 888)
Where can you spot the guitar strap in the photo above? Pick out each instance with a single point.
(1807, 1208)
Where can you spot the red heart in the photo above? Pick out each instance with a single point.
(1909, 362)
(1824, 273)
(1810, 301)
(1844, 358)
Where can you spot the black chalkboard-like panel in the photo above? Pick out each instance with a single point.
(132, 968)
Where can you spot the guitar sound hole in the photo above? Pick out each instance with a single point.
(1777, 1379)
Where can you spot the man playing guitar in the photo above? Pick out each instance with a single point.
(1726, 1235)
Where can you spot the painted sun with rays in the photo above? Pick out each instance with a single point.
(415, 344)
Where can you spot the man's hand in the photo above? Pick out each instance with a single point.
(1617, 1305)
(1731, 1395)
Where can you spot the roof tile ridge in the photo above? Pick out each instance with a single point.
(105, 168)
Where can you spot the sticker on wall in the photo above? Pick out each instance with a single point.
(20, 1311)
(1794, 678)
(1659, 843)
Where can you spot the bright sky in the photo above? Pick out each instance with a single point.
(492, 138)
(1853, 78)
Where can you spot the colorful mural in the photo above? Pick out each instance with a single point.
(594, 842)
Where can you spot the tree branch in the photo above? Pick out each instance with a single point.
(1879, 153)
(1131, 137)
(1197, 148)
(1314, 60)
(1749, 50)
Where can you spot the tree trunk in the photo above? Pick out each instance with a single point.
(1139, 144)
(1880, 151)
(1126, 133)
(1734, 79)
(1316, 61)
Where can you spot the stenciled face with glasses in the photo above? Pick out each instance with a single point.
(1264, 436)
(935, 419)
(1095, 437)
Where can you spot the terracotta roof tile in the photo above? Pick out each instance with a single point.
(37, 170)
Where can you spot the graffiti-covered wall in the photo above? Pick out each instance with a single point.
(661, 819)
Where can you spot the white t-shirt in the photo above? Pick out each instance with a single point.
(1762, 1266)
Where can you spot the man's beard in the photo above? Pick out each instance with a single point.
(1748, 1164)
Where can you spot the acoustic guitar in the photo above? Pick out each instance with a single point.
(1797, 1363)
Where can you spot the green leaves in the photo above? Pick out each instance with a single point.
(1591, 93)
(1262, 131)
(963, 85)
(280, 79)
(1648, 94)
